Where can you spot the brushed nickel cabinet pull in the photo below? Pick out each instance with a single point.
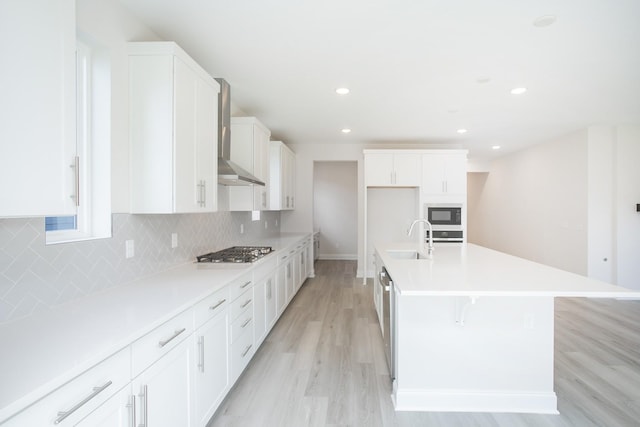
(246, 322)
(245, 285)
(201, 355)
(218, 304)
(246, 350)
(246, 303)
(62, 415)
(76, 171)
(132, 411)
(167, 341)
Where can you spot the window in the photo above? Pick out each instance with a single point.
(92, 165)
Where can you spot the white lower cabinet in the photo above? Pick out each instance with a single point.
(178, 373)
(211, 379)
(118, 411)
(163, 391)
(281, 286)
(271, 309)
(76, 400)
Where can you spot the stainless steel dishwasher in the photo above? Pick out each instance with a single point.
(388, 300)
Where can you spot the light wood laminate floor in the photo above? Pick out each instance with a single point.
(323, 365)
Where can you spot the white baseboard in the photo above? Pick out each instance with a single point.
(476, 401)
(339, 257)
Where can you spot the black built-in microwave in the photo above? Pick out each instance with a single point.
(444, 215)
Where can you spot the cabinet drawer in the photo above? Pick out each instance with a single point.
(209, 307)
(241, 304)
(241, 353)
(240, 285)
(158, 342)
(82, 395)
(242, 324)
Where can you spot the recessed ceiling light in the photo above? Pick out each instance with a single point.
(518, 90)
(495, 147)
(346, 130)
(461, 131)
(342, 91)
(483, 80)
(544, 21)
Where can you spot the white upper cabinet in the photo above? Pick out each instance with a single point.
(250, 150)
(391, 169)
(173, 131)
(282, 177)
(37, 107)
(444, 173)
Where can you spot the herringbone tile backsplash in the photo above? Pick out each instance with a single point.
(35, 277)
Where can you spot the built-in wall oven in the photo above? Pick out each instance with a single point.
(446, 221)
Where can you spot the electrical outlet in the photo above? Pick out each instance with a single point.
(266, 224)
(174, 240)
(255, 215)
(129, 249)
(276, 222)
(241, 228)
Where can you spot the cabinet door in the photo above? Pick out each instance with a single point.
(378, 169)
(407, 169)
(444, 174)
(195, 138)
(456, 174)
(206, 156)
(271, 309)
(211, 378)
(115, 412)
(185, 173)
(259, 305)
(289, 279)
(433, 172)
(290, 179)
(37, 107)
(163, 391)
(261, 167)
(281, 289)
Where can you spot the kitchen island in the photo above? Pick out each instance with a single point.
(473, 328)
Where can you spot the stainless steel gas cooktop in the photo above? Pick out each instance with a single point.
(236, 254)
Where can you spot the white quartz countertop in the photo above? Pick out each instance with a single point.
(472, 270)
(42, 352)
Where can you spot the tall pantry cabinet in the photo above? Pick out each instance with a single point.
(38, 108)
(173, 131)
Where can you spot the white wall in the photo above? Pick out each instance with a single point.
(533, 204)
(569, 203)
(335, 208)
(627, 195)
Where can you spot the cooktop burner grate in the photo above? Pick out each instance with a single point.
(236, 254)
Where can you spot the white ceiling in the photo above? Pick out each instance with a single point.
(413, 66)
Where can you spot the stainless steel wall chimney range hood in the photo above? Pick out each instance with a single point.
(229, 173)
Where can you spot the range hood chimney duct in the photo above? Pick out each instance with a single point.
(229, 173)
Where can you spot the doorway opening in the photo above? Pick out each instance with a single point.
(335, 208)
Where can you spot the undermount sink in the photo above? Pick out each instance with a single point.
(407, 254)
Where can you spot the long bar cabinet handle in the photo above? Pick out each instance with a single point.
(218, 304)
(246, 350)
(62, 415)
(167, 341)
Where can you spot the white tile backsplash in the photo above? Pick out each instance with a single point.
(35, 277)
